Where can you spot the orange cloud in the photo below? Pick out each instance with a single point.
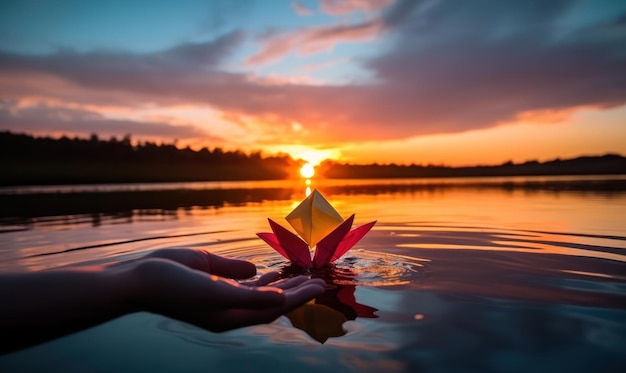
(545, 115)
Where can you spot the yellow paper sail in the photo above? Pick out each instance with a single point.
(314, 218)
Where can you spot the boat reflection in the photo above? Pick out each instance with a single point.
(324, 316)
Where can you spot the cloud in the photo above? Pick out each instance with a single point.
(455, 67)
(449, 67)
(301, 9)
(322, 65)
(46, 119)
(340, 7)
(472, 67)
(276, 45)
(312, 40)
(120, 78)
(94, 67)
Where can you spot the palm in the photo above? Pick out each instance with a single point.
(195, 286)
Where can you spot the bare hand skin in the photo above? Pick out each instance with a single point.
(193, 286)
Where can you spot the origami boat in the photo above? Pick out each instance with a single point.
(318, 225)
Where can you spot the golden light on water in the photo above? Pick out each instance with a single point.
(307, 171)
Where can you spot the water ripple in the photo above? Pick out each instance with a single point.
(358, 267)
(538, 266)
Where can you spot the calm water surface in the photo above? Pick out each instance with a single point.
(458, 275)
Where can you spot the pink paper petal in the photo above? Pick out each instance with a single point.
(327, 246)
(296, 249)
(270, 239)
(351, 239)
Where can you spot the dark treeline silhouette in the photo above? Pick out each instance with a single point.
(43, 160)
(29, 148)
(609, 164)
(29, 160)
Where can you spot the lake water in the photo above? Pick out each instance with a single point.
(458, 275)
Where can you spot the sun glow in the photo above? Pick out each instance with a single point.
(307, 171)
(309, 154)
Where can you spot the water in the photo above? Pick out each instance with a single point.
(471, 275)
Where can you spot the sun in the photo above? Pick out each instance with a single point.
(307, 171)
(311, 157)
(306, 153)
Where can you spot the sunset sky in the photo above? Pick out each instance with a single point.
(435, 81)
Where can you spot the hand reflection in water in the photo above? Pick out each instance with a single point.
(189, 285)
(324, 316)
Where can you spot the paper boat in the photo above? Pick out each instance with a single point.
(319, 225)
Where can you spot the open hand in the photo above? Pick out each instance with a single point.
(197, 287)
(193, 286)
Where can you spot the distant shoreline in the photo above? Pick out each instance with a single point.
(84, 174)
(28, 160)
(23, 173)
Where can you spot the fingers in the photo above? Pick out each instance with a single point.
(294, 298)
(209, 286)
(231, 268)
(265, 279)
(296, 281)
(270, 278)
(299, 295)
(167, 284)
(225, 294)
(205, 261)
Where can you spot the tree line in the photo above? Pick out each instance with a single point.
(25, 147)
(26, 160)
(608, 164)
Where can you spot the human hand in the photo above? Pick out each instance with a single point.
(196, 286)
(189, 285)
